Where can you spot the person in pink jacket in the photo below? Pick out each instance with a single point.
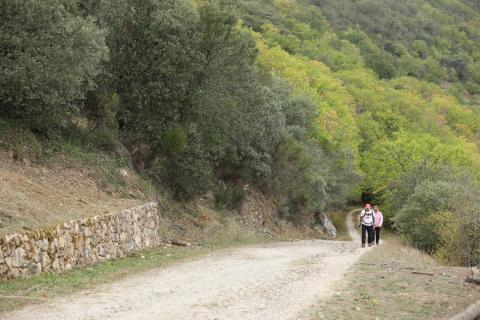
(378, 223)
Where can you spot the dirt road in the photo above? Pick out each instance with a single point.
(277, 281)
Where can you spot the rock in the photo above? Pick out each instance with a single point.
(150, 224)
(12, 238)
(328, 225)
(35, 268)
(474, 277)
(18, 258)
(123, 173)
(3, 269)
(56, 266)
(138, 240)
(61, 241)
(43, 244)
(45, 259)
(87, 232)
(8, 261)
(14, 273)
(11, 155)
(26, 162)
(180, 243)
(101, 251)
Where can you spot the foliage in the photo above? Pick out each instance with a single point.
(19, 141)
(374, 79)
(301, 98)
(230, 196)
(406, 151)
(49, 58)
(439, 37)
(437, 210)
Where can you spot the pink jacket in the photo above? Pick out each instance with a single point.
(378, 216)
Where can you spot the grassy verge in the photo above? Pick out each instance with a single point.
(339, 220)
(394, 281)
(38, 289)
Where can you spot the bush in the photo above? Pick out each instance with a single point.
(414, 218)
(448, 228)
(472, 87)
(175, 140)
(437, 211)
(190, 173)
(19, 140)
(230, 196)
(382, 66)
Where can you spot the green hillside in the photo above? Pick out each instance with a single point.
(315, 102)
(396, 84)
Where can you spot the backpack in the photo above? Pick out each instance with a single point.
(370, 216)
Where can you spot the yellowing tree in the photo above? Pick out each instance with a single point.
(336, 122)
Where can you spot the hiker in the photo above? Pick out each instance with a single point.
(367, 222)
(378, 218)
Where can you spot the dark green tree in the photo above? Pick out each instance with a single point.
(49, 58)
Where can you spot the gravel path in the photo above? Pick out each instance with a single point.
(276, 281)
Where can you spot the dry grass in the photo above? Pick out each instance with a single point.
(339, 220)
(35, 195)
(385, 284)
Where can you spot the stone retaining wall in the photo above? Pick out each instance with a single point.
(79, 242)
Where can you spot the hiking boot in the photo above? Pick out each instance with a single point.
(370, 244)
(363, 245)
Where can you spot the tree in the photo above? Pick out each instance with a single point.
(152, 62)
(49, 58)
(407, 151)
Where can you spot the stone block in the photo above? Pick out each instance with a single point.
(87, 232)
(45, 259)
(42, 244)
(4, 270)
(34, 268)
(56, 266)
(18, 258)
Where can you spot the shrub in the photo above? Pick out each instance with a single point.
(230, 196)
(472, 87)
(19, 140)
(174, 140)
(190, 173)
(436, 209)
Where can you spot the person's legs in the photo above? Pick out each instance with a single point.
(364, 230)
(377, 235)
(370, 235)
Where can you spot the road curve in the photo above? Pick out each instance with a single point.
(274, 281)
